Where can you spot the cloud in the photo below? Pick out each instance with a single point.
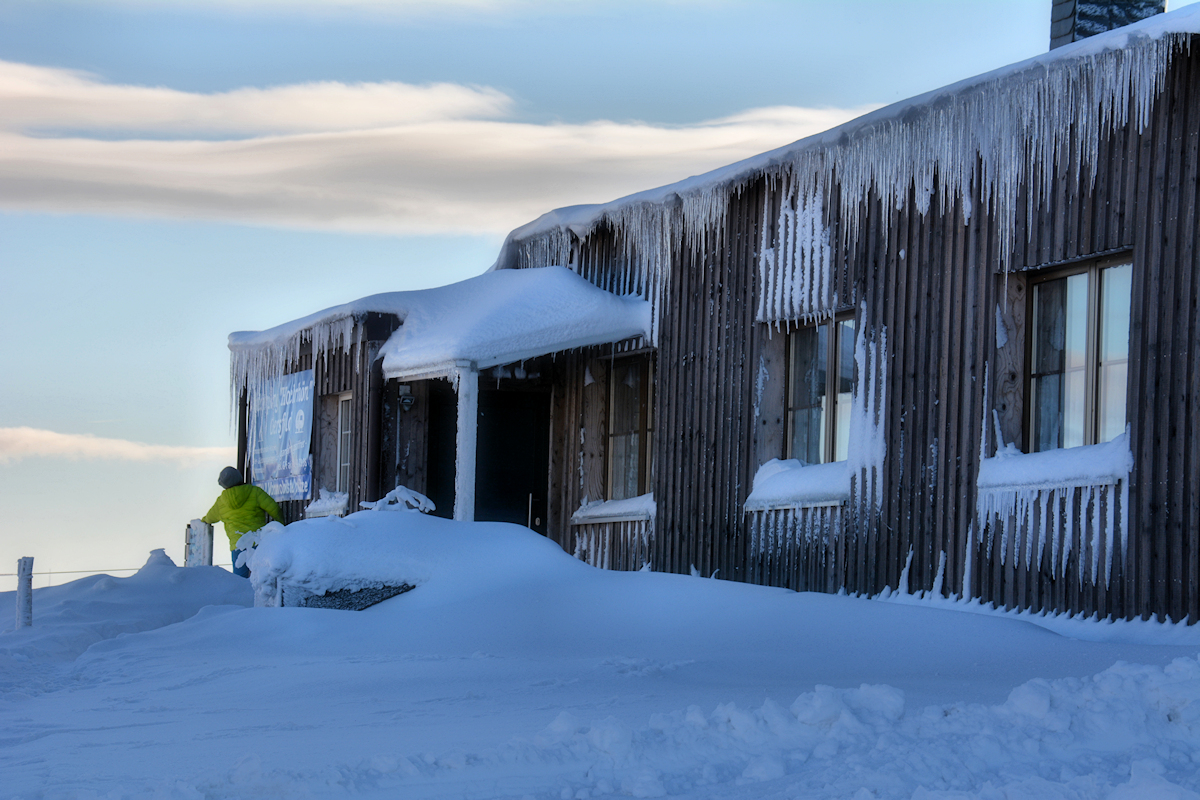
(343, 156)
(20, 443)
(44, 98)
(384, 8)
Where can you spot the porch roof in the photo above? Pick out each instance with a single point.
(506, 316)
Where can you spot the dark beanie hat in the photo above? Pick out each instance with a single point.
(229, 478)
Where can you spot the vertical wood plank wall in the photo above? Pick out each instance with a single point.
(578, 459)
(354, 370)
(406, 447)
(335, 373)
(935, 283)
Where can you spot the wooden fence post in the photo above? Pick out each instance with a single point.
(198, 546)
(25, 592)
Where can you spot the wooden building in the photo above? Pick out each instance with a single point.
(949, 346)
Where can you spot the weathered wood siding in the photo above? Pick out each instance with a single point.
(579, 458)
(1159, 188)
(355, 370)
(623, 545)
(406, 445)
(934, 285)
(708, 355)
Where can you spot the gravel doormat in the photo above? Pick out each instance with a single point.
(356, 600)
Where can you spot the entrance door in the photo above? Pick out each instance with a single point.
(513, 457)
(442, 429)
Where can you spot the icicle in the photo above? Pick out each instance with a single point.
(1045, 530)
(903, 588)
(1110, 526)
(940, 578)
(867, 445)
(1125, 521)
(968, 564)
(1082, 522)
(251, 367)
(1097, 532)
(1068, 535)
(1001, 329)
(983, 428)
(999, 133)
(760, 386)
(1007, 520)
(1056, 531)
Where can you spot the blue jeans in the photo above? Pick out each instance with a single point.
(243, 572)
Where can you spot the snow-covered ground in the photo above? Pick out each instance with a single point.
(515, 671)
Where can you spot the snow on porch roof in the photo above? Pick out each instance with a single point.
(494, 318)
(501, 317)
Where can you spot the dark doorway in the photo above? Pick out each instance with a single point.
(442, 431)
(513, 460)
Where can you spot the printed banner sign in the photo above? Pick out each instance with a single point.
(280, 433)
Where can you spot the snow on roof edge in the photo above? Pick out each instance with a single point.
(382, 303)
(582, 219)
(483, 321)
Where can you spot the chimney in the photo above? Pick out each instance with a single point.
(1072, 20)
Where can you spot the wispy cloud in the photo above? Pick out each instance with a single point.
(21, 443)
(43, 98)
(387, 157)
(384, 8)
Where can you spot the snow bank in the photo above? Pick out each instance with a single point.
(70, 618)
(371, 549)
(1129, 731)
(513, 670)
(1079, 626)
(494, 318)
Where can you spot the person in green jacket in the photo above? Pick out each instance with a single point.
(243, 508)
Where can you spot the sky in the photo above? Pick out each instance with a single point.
(173, 172)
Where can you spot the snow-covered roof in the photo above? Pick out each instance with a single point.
(502, 317)
(1000, 130)
(494, 318)
(1011, 119)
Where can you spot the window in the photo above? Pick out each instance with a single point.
(344, 422)
(1079, 354)
(630, 428)
(820, 388)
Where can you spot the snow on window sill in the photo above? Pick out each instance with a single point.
(1087, 465)
(794, 484)
(633, 509)
(330, 504)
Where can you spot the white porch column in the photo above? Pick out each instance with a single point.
(468, 431)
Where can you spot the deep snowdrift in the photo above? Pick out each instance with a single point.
(513, 670)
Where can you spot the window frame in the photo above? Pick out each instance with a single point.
(831, 382)
(645, 432)
(1093, 268)
(343, 399)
